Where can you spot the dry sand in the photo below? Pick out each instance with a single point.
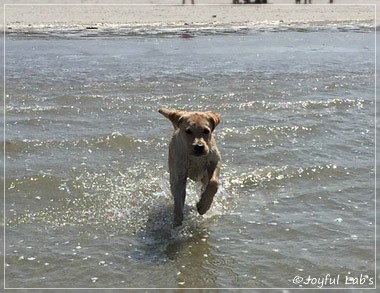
(172, 13)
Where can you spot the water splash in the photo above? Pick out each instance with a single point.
(130, 201)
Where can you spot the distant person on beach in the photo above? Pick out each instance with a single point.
(184, 1)
(299, 1)
(254, 2)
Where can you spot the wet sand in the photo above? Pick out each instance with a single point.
(54, 16)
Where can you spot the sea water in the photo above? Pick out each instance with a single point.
(87, 198)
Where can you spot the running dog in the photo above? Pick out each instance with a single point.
(193, 154)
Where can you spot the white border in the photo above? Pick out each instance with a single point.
(4, 99)
(179, 288)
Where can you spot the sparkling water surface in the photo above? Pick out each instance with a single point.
(87, 200)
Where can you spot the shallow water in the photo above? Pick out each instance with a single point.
(87, 194)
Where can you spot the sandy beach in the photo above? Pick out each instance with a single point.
(21, 16)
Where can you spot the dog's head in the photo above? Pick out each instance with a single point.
(194, 128)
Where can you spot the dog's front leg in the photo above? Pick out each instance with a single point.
(212, 179)
(178, 189)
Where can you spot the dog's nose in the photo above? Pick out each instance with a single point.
(199, 149)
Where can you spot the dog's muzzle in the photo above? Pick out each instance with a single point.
(199, 149)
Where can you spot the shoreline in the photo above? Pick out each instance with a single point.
(30, 19)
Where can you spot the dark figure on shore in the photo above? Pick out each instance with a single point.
(184, 1)
(299, 1)
(235, 2)
(255, 2)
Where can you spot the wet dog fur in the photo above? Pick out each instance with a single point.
(193, 154)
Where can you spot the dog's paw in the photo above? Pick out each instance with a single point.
(207, 197)
(202, 207)
(177, 221)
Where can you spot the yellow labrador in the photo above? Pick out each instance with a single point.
(193, 154)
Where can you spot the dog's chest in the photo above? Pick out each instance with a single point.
(197, 168)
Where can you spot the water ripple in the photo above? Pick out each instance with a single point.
(186, 32)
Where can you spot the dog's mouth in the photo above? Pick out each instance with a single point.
(199, 150)
(198, 154)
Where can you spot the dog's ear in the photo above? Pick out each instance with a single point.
(214, 118)
(173, 115)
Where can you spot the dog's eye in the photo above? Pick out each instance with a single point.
(188, 131)
(206, 131)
